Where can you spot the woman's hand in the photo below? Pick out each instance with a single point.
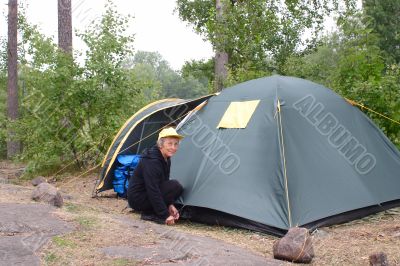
(170, 220)
(173, 212)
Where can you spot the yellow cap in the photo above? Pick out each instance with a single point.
(169, 132)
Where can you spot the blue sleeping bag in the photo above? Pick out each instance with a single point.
(126, 165)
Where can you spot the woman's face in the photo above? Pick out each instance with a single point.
(169, 147)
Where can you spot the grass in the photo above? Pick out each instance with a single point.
(63, 242)
(51, 258)
(86, 222)
(73, 208)
(124, 262)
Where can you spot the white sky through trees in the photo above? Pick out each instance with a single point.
(154, 23)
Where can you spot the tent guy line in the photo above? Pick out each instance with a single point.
(289, 173)
(101, 164)
(373, 111)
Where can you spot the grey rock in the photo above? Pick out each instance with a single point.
(295, 246)
(66, 196)
(179, 248)
(14, 252)
(38, 180)
(49, 194)
(25, 229)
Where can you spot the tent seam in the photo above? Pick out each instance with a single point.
(284, 163)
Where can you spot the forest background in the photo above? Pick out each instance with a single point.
(70, 109)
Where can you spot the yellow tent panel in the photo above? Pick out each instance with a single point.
(238, 114)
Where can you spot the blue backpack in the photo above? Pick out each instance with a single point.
(123, 172)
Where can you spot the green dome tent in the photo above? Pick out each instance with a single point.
(279, 152)
(141, 131)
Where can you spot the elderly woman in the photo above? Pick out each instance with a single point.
(150, 189)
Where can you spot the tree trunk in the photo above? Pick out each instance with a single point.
(221, 57)
(13, 146)
(65, 26)
(65, 45)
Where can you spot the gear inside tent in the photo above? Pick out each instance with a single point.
(139, 132)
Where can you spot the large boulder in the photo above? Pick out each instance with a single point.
(295, 246)
(48, 193)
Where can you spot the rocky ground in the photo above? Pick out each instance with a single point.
(101, 231)
(98, 231)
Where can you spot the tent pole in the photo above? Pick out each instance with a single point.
(282, 148)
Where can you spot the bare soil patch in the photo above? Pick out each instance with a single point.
(346, 244)
(108, 234)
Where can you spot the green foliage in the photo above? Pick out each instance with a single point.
(154, 74)
(384, 20)
(351, 62)
(145, 75)
(70, 113)
(360, 59)
(246, 71)
(317, 65)
(201, 70)
(257, 35)
(3, 100)
(105, 90)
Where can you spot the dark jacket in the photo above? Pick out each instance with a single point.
(151, 171)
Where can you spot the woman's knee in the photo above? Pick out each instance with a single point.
(177, 186)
